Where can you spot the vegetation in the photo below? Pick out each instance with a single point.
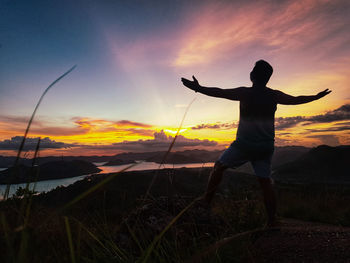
(21, 192)
(117, 223)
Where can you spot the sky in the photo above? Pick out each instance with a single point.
(125, 93)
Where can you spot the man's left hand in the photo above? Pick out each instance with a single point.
(193, 85)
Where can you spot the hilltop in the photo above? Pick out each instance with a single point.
(323, 164)
(118, 219)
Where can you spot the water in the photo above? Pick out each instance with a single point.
(41, 186)
(150, 166)
(47, 185)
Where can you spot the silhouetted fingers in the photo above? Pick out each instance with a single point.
(195, 79)
(326, 91)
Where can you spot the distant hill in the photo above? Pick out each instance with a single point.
(47, 171)
(281, 156)
(188, 156)
(8, 161)
(323, 164)
(118, 162)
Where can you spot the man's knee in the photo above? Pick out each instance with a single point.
(219, 167)
(265, 181)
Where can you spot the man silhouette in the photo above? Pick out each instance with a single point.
(256, 130)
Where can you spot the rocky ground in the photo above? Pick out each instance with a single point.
(299, 241)
(293, 241)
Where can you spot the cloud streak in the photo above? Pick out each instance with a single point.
(216, 126)
(282, 123)
(76, 126)
(31, 143)
(226, 29)
(340, 114)
(328, 139)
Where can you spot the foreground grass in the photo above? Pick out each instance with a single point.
(319, 203)
(117, 224)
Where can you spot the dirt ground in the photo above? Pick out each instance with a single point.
(299, 241)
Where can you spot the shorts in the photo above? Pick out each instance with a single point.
(235, 156)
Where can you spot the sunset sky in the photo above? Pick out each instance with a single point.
(125, 93)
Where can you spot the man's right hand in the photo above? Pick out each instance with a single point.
(323, 93)
(193, 85)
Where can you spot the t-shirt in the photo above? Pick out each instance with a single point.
(256, 129)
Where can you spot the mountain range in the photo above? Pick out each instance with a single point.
(282, 155)
(290, 164)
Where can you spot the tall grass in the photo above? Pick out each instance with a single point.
(70, 239)
(27, 199)
(28, 194)
(170, 147)
(30, 123)
(147, 253)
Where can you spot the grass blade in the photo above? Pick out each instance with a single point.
(70, 240)
(155, 241)
(8, 239)
(7, 191)
(169, 149)
(121, 255)
(27, 198)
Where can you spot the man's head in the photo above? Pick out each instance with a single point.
(261, 73)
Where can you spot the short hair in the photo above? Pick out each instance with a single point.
(262, 71)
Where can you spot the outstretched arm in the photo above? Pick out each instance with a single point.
(283, 98)
(231, 94)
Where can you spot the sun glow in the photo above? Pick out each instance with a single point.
(173, 132)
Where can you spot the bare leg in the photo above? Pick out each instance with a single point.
(214, 181)
(269, 199)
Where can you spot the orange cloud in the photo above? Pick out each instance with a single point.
(100, 131)
(128, 123)
(97, 124)
(78, 130)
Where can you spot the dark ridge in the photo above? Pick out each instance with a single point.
(47, 171)
(322, 164)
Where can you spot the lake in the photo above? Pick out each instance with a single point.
(47, 185)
